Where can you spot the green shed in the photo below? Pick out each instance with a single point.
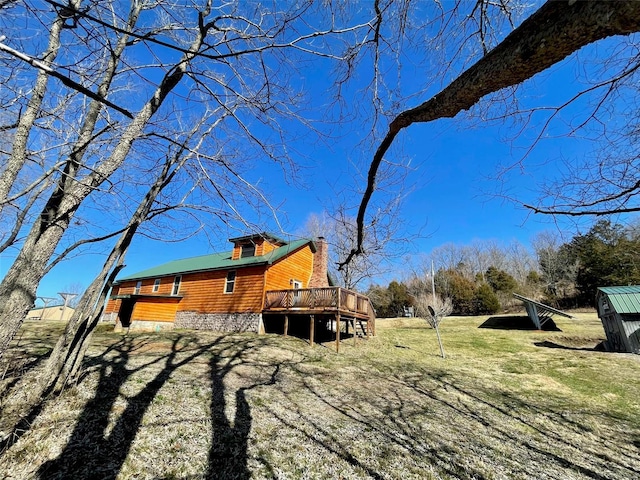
(619, 312)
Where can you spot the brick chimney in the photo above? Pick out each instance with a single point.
(320, 259)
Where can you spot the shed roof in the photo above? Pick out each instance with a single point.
(216, 261)
(623, 299)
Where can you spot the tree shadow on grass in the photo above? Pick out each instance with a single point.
(24, 355)
(228, 452)
(559, 441)
(403, 436)
(90, 452)
(436, 430)
(22, 425)
(549, 344)
(93, 451)
(517, 322)
(18, 368)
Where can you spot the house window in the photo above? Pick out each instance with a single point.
(176, 285)
(136, 291)
(156, 285)
(247, 250)
(230, 282)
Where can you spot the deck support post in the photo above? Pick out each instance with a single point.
(338, 333)
(312, 324)
(355, 332)
(286, 325)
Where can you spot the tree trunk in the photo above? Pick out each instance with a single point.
(67, 356)
(18, 155)
(64, 361)
(18, 289)
(437, 327)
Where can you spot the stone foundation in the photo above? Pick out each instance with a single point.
(144, 326)
(220, 322)
(109, 317)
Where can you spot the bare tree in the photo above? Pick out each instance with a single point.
(451, 256)
(559, 270)
(428, 305)
(383, 244)
(520, 261)
(64, 362)
(77, 147)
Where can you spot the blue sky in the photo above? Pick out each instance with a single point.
(450, 200)
(451, 191)
(452, 195)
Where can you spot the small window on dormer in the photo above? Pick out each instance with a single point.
(156, 285)
(138, 287)
(247, 250)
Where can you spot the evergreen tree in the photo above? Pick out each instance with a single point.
(607, 255)
(485, 300)
(390, 301)
(452, 284)
(500, 281)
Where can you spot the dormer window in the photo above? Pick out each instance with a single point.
(247, 250)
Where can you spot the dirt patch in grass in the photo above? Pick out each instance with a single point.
(191, 405)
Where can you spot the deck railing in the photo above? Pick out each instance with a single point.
(329, 298)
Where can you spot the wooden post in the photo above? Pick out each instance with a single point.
(338, 333)
(355, 332)
(286, 325)
(312, 325)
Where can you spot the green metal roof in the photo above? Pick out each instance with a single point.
(624, 299)
(265, 235)
(216, 261)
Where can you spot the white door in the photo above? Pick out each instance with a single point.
(297, 294)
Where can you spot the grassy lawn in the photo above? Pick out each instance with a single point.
(505, 403)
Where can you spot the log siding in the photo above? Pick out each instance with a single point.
(205, 291)
(297, 266)
(155, 309)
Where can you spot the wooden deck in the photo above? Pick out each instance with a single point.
(344, 305)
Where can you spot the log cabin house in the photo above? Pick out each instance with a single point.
(264, 284)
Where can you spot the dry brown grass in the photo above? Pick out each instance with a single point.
(504, 404)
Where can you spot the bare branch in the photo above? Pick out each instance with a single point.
(64, 79)
(528, 50)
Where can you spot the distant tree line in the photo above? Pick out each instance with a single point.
(480, 279)
(608, 254)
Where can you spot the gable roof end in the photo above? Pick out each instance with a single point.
(267, 236)
(623, 299)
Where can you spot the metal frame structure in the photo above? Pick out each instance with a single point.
(546, 312)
